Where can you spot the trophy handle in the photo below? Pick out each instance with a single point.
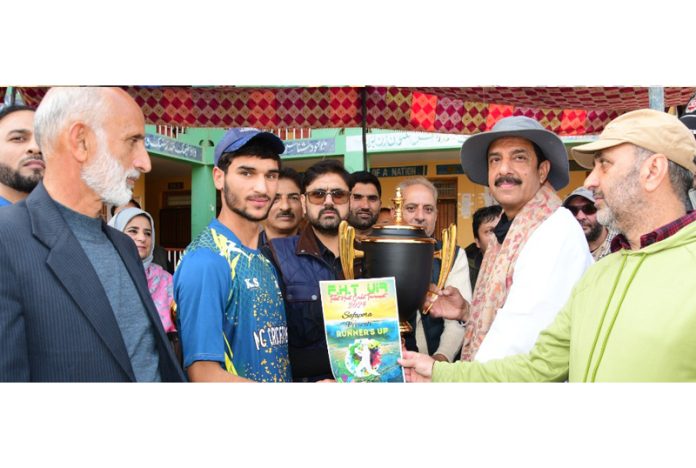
(446, 254)
(346, 249)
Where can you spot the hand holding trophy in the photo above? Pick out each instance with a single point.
(403, 251)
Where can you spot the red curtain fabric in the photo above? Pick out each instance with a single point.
(563, 110)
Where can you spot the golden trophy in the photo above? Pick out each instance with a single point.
(403, 251)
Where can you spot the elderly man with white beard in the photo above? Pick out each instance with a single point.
(74, 302)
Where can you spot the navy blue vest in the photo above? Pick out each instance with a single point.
(301, 273)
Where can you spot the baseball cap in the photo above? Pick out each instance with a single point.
(651, 129)
(235, 138)
(581, 192)
(690, 121)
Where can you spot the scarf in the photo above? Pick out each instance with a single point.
(495, 277)
(121, 220)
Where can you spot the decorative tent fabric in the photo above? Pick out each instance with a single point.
(563, 110)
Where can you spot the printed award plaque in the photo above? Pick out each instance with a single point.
(361, 320)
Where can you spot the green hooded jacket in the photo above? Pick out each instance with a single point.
(630, 318)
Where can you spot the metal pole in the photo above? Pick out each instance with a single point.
(656, 98)
(363, 98)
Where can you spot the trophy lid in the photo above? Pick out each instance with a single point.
(399, 230)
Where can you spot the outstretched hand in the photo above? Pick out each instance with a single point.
(417, 367)
(446, 303)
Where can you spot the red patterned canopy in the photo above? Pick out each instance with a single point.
(564, 110)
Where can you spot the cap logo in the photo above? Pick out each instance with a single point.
(691, 106)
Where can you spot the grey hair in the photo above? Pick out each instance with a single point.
(64, 105)
(418, 181)
(680, 177)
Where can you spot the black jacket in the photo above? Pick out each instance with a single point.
(56, 323)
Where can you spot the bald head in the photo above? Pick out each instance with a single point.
(63, 106)
(94, 143)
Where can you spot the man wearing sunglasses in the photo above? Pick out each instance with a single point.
(365, 202)
(581, 204)
(308, 258)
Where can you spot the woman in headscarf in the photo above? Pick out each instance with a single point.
(138, 224)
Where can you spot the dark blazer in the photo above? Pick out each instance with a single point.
(56, 323)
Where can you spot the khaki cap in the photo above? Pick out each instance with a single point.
(653, 130)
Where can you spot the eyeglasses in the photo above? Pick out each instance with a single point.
(588, 209)
(358, 197)
(317, 197)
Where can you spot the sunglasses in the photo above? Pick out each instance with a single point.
(358, 197)
(317, 197)
(588, 209)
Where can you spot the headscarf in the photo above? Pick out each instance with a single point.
(121, 219)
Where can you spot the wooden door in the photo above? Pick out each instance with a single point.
(446, 215)
(175, 227)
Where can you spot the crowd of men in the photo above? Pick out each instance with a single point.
(551, 290)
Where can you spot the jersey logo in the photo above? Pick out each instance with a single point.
(252, 283)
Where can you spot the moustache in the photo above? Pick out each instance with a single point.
(34, 157)
(287, 213)
(328, 210)
(507, 180)
(259, 197)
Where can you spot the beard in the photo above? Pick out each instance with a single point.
(107, 177)
(231, 200)
(359, 223)
(17, 181)
(607, 217)
(326, 226)
(619, 205)
(595, 232)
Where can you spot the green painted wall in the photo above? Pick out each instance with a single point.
(202, 187)
(203, 193)
(352, 160)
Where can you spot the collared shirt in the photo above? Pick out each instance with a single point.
(330, 259)
(659, 234)
(4, 202)
(605, 248)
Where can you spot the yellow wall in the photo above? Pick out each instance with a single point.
(465, 234)
(577, 178)
(156, 186)
(139, 190)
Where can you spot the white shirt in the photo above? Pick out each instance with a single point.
(554, 258)
(453, 335)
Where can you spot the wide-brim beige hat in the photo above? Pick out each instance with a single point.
(474, 153)
(651, 129)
